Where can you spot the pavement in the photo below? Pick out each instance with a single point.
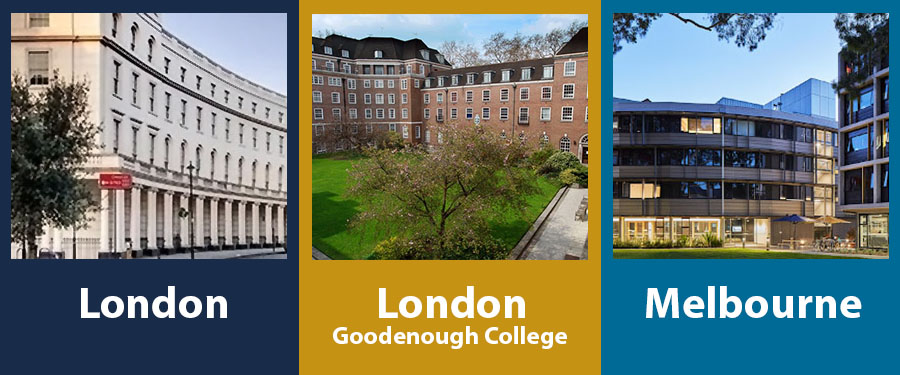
(228, 254)
(318, 255)
(268, 256)
(561, 234)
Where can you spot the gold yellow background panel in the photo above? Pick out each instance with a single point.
(559, 295)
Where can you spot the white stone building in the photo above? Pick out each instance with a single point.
(162, 106)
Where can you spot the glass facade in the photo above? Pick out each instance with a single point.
(639, 123)
(812, 97)
(736, 185)
(664, 228)
(873, 231)
(733, 230)
(860, 107)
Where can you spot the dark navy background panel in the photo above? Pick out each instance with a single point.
(635, 345)
(40, 328)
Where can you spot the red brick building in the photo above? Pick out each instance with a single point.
(377, 84)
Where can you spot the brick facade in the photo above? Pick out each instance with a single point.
(441, 90)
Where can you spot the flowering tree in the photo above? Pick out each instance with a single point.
(438, 204)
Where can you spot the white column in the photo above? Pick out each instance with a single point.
(268, 212)
(254, 219)
(104, 221)
(228, 222)
(167, 219)
(135, 231)
(214, 221)
(198, 219)
(242, 223)
(185, 223)
(57, 240)
(280, 220)
(46, 237)
(151, 219)
(120, 221)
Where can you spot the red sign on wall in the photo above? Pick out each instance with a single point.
(115, 181)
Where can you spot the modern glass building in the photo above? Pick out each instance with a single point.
(687, 169)
(864, 154)
(813, 97)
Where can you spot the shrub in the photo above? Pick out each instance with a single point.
(389, 140)
(626, 244)
(581, 175)
(559, 162)
(683, 241)
(711, 240)
(423, 247)
(539, 157)
(568, 176)
(486, 249)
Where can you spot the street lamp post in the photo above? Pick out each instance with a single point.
(74, 249)
(191, 168)
(274, 241)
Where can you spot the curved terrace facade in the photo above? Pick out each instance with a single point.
(162, 107)
(685, 169)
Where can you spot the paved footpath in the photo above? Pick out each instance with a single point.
(561, 233)
(224, 254)
(318, 255)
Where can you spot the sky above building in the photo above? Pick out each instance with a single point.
(682, 63)
(434, 29)
(252, 45)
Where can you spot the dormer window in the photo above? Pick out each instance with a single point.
(428, 82)
(425, 54)
(548, 71)
(440, 81)
(455, 80)
(506, 74)
(345, 53)
(439, 57)
(470, 79)
(379, 54)
(526, 74)
(327, 50)
(487, 77)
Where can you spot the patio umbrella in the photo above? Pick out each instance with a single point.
(831, 220)
(794, 219)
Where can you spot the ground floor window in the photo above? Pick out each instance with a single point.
(873, 231)
(617, 232)
(664, 228)
(565, 144)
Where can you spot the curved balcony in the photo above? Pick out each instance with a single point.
(713, 140)
(711, 207)
(712, 173)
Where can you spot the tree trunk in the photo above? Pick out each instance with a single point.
(441, 239)
(31, 247)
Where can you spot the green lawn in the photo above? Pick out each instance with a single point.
(331, 210)
(725, 253)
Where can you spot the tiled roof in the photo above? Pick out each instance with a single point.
(578, 43)
(391, 48)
